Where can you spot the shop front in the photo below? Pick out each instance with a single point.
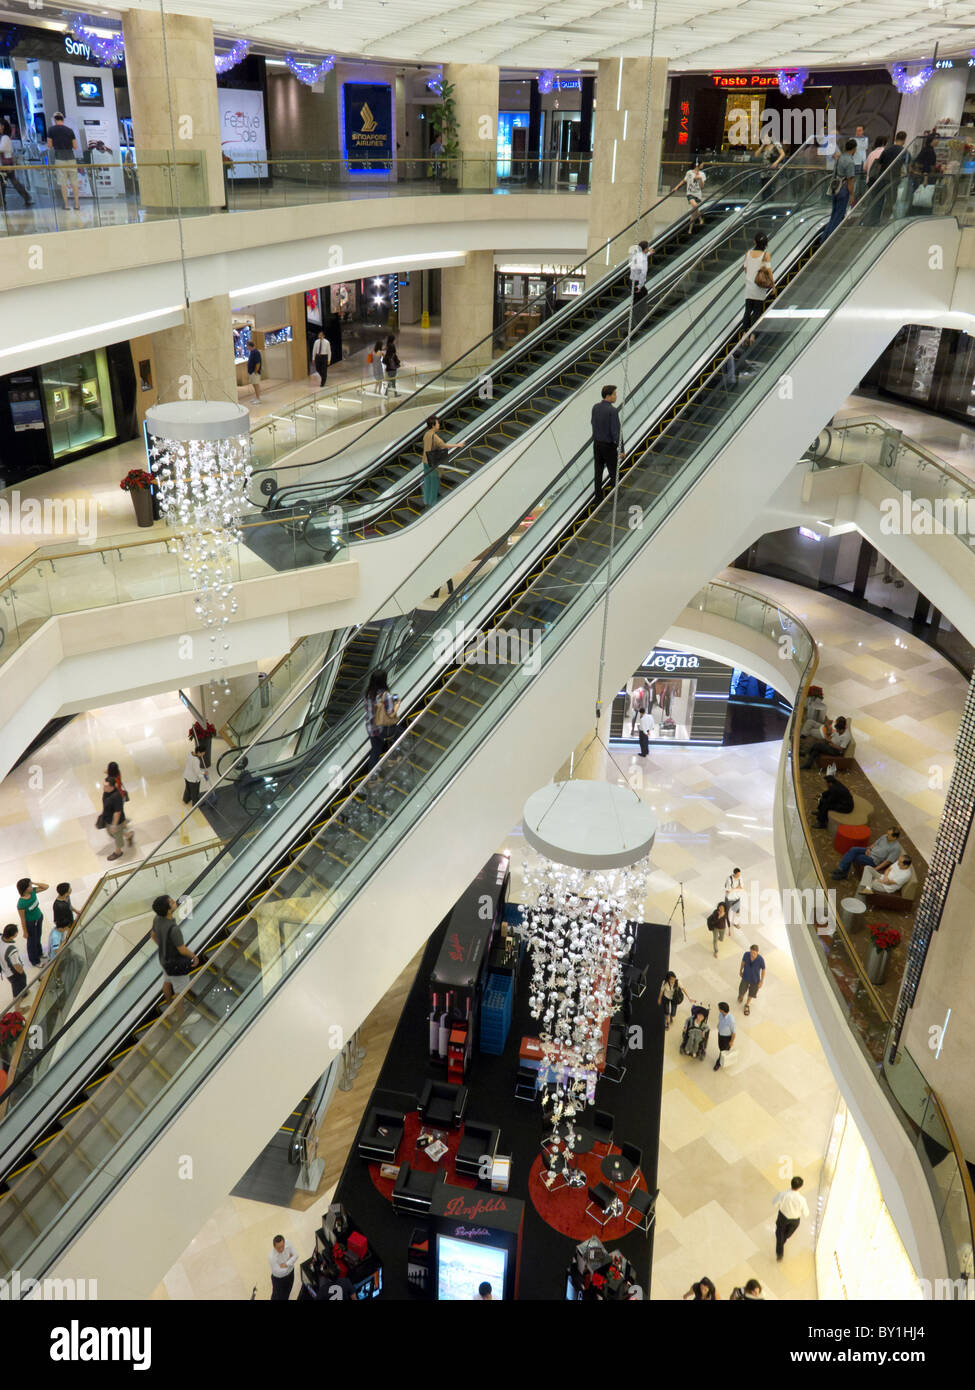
(693, 699)
(933, 368)
(63, 410)
(526, 293)
(859, 1253)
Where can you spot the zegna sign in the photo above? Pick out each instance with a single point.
(672, 661)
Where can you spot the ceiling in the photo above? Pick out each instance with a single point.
(693, 34)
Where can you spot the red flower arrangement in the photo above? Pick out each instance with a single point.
(11, 1026)
(815, 692)
(137, 479)
(885, 937)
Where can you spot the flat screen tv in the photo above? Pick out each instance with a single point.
(462, 1266)
(88, 91)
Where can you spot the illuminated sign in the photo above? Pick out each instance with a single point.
(672, 661)
(742, 79)
(684, 123)
(945, 63)
(76, 48)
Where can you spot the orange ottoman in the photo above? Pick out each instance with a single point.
(851, 837)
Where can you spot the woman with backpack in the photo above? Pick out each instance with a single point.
(382, 710)
(671, 997)
(392, 365)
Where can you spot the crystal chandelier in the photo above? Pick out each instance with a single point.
(200, 454)
(582, 901)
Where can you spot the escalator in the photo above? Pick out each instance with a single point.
(516, 393)
(346, 844)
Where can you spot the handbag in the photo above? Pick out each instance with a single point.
(385, 720)
(436, 457)
(678, 997)
(100, 822)
(763, 278)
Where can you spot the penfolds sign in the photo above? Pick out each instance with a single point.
(462, 1207)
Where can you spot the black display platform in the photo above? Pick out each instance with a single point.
(635, 1104)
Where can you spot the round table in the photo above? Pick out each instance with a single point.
(617, 1169)
(851, 837)
(852, 913)
(584, 1140)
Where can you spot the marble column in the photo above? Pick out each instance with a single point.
(467, 307)
(476, 104)
(173, 96)
(195, 360)
(626, 149)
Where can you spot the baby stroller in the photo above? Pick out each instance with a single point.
(694, 1039)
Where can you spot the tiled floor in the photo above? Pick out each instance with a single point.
(949, 439)
(48, 805)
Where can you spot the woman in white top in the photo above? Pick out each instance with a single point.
(694, 181)
(192, 776)
(756, 260)
(7, 174)
(669, 997)
(733, 890)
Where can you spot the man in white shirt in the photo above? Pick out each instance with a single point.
(891, 880)
(838, 744)
(282, 1259)
(791, 1207)
(733, 890)
(645, 728)
(639, 266)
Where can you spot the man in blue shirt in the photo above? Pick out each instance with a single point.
(752, 974)
(726, 1032)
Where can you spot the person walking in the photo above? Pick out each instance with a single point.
(607, 441)
(842, 187)
(726, 1032)
(63, 144)
(733, 890)
(391, 364)
(694, 181)
(702, 1292)
(751, 1293)
(670, 998)
(378, 371)
(717, 925)
(435, 451)
(751, 975)
(881, 854)
(176, 959)
(759, 283)
(639, 265)
(11, 962)
(113, 810)
(790, 1209)
(255, 366)
(871, 159)
(193, 774)
(7, 161)
(31, 917)
(382, 710)
(282, 1259)
(644, 728)
(321, 356)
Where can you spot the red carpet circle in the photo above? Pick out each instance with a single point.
(417, 1159)
(565, 1210)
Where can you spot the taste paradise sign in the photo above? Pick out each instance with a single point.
(744, 79)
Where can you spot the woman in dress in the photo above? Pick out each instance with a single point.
(435, 450)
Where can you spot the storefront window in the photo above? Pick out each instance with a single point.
(859, 1254)
(78, 398)
(510, 144)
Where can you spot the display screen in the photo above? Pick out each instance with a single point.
(242, 342)
(463, 1266)
(313, 311)
(279, 335)
(88, 91)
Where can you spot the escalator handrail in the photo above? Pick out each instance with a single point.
(406, 486)
(226, 778)
(747, 172)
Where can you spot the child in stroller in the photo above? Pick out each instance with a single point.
(694, 1040)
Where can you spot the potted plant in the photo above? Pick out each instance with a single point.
(12, 1025)
(883, 939)
(139, 485)
(443, 122)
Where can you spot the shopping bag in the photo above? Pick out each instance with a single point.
(729, 1059)
(923, 196)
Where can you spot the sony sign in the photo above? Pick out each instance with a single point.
(672, 661)
(76, 48)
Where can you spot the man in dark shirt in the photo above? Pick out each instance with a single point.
(606, 440)
(884, 199)
(169, 940)
(63, 144)
(837, 798)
